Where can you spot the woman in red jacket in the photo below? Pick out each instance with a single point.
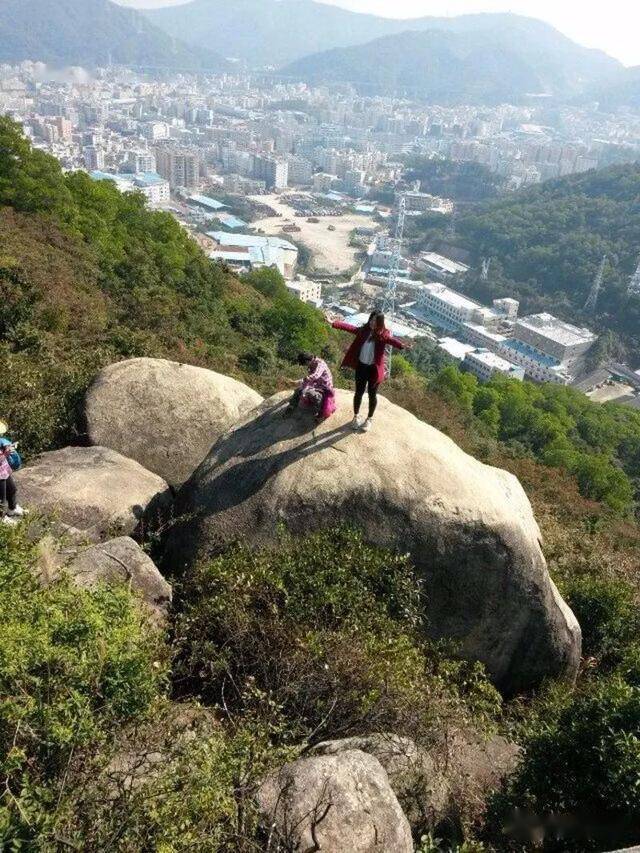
(366, 356)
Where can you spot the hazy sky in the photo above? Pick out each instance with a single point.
(613, 25)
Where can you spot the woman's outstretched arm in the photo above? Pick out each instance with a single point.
(345, 327)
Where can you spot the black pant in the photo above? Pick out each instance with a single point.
(366, 379)
(9, 493)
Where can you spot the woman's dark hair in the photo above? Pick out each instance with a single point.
(378, 316)
(305, 357)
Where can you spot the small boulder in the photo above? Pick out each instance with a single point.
(163, 414)
(335, 803)
(93, 489)
(468, 528)
(119, 559)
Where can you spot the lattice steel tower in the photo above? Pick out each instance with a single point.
(592, 301)
(389, 299)
(634, 282)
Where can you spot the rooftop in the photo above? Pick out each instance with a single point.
(206, 201)
(250, 240)
(445, 264)
(490, 359)
(451, 297)
(455, 348)
(557, 330)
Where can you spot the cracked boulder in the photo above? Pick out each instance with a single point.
(119, 560)
(334, 803)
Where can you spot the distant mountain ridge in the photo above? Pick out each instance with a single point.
(440, 67)
(91, 33)
(279, 32)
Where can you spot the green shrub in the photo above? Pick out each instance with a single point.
(579, 781)
(331, 631)
(75, 666)
(173, 789)
(607, 611)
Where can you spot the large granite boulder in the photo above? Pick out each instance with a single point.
(163, 414)
(93, 489)
(118, 560)
(335, 803)
(468, 528)
(446, 782)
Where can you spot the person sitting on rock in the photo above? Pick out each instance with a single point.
(9, 461)
(366, 356)
(316, 389)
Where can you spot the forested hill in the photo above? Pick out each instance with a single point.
(476, 58)
(547, 242)
(89, 275)
(92, 33)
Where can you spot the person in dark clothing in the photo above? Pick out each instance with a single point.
(366, 356)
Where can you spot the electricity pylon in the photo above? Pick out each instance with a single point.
(594, 293)
(389, 299)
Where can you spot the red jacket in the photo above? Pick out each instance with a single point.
(362, 333)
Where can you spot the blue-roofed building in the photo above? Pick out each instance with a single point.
(206, 201)
(230, 221)
(252, 251)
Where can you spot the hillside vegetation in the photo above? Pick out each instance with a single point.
(115, 736)
(89, 275)
(92, 33)
(546, 244)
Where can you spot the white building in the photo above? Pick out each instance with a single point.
(306, 291)
(485, 364)
(150, 184)
(451, 310)
(537, 365)
(554, 338)
(439, 265)
(274, 172)
(140, 161)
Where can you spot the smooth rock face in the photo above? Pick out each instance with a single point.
(91, 488)
(414, 776)
(120, 559)
(335, 803)
(469, 528)
(165, 415)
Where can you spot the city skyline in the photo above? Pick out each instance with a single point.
(611, 28)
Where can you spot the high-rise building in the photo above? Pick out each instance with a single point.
(300, 171)
(65, 128)
(275, 173)
(181, 169)
(140, 161)
(93, 158)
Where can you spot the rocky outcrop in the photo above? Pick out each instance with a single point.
(468, 528)
(165, 415)
(93, 489)
(118, 560)
(447, 781)
(335, 803)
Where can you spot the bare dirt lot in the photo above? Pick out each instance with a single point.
(330, 250)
